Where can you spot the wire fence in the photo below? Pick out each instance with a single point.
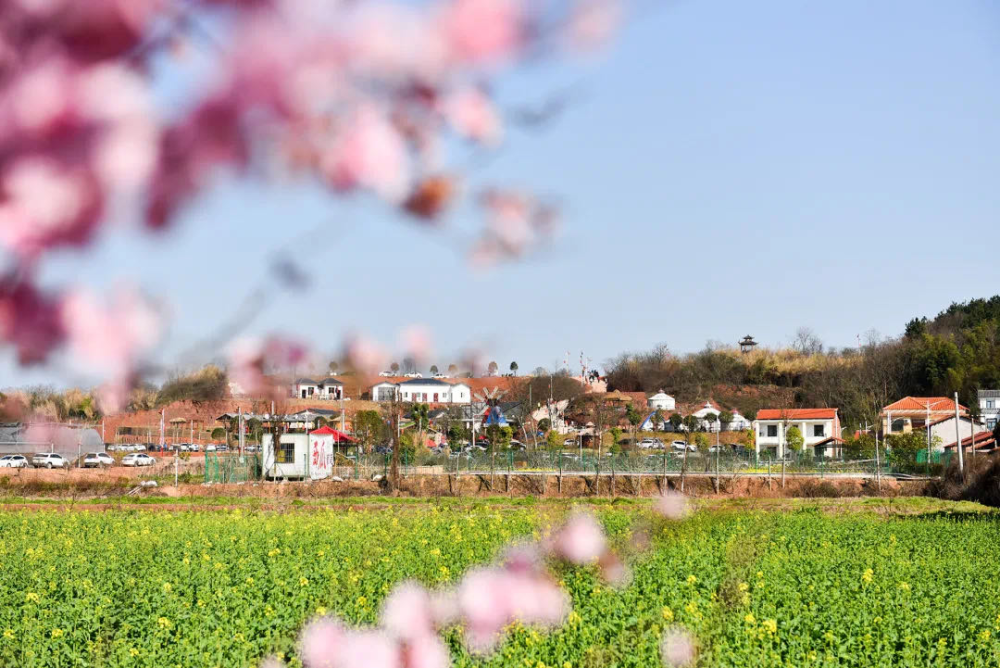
(229, 468)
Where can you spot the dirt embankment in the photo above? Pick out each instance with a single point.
(96, 484)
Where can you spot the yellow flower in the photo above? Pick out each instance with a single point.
(57, 633)
(320, 611)
(760, 574)
(750, 619)
(829, 637)
(692, 579)
(812, 656)
(133, 651)
(362, 601)
(904, 586)
(31, 597)
(303, 582)
(743, 586)
(668, 614)
(770, 626)
(163, 622)
(984, 635)
(167, 588)
(249, 581)
(9, 634)
(868, 576)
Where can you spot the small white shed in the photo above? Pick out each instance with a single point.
(288, 459)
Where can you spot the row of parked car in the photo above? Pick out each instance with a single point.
(53, 460)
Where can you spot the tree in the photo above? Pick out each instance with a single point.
(333, 367)
(394, 367)
(434, 370)
(710, 419)
(725, 419)
(902, 449)
(676, 420)
(499, 437)
(794, 439)
(369, 428)
(513, 368)
(541, 371)
(419, 414)
(691, 424)
(218, 434)
(544, 425)
(659, 419)
(634, 418)
(409, 365)
(492, 368)
(806, 342)
(452, 369)
(554, 441)
(616, 435)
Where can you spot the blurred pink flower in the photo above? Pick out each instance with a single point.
(251, 360)
(614, 570)
(369, 153)
(678, 648)
(322, 643)
(672, 505)
(426, 651)
(407, 612)
(483, 30)
(364, 355)
(472, 114)
(113, 395)
(109, 338)
(415, 340)
(29, 321)
(44, 203)
(593, 22)
(367, 649)
(580, 541)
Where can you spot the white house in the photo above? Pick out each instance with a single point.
(820, 427)
(989, 407)
(425, 390)
(662, 402)
(328, 389)
(943, 430)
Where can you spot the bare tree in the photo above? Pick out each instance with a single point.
(806, 342)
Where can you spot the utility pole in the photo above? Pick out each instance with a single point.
(958, 440)
(927, 426)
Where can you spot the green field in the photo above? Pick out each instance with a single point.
(757, 587)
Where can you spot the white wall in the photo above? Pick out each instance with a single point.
(805, 426)
(946, 432)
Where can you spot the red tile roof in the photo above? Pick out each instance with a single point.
(983, 440)
(797, 414)
(920, 405)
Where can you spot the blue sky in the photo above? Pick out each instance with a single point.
(730, 168)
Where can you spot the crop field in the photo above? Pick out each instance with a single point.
(756, 588)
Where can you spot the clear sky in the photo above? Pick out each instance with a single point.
(730, 168)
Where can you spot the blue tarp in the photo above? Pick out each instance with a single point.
(496, 417)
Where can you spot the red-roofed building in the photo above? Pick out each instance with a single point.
(934, 414)
(983, 441)
(820, 428)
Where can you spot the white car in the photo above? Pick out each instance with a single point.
(13, 462)
(49, 460)
(97, 460)
(681, 445)
(650, 443)
(138, 459)
(210, 447)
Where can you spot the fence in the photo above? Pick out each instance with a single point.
(229, 468)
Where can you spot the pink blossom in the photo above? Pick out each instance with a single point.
(109, 338)
(29, 320)
(40, 99)
(369, 153)
(407, 612)
(416, 343)
(426, 651)
(677, 648)
(580, 541)
(483, 30)
(614, 570)
(250, 360)
(45, 203)
(364, 354)
(672, 505)
(472, 114)
(370, 649)
(322, 643)
(112, 395)
(593, 22)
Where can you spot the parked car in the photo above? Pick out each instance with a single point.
(650, 443)
(571, 443)
(383, 450)
(195, 447)
(140, 448)
(138, 459)
(210, 447)
(517, 445)
(97, 460)
(49, 460)
(13, 462)
(222, 448)
(681, 445)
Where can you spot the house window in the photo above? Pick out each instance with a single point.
(990, 424)
(818, 430)
(435, 396)
(897, 425)
(286, 453)
(425, 397)
(989, 404)
(772, 431)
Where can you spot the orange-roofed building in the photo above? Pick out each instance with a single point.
(909, 413)
(820, 428)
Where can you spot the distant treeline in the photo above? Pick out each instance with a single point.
(959, 350)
